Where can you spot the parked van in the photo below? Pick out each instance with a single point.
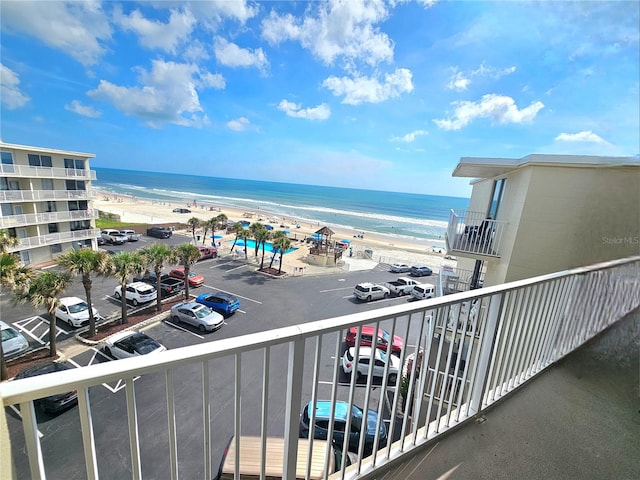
(250, 459)
(423, 291)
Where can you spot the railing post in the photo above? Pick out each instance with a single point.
(295, 373)
(486, 351)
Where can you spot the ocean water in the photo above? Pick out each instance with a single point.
(407, 216)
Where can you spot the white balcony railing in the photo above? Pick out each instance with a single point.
(474, 233)
(48, 217)
(28, 171)
(467, 350)
(55, 238)
(42, 195)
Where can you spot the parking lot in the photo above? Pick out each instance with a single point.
(265, 304)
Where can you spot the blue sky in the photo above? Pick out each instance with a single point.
(376, 95)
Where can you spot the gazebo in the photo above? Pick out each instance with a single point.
(324, 252)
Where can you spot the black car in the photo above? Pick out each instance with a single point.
(159, 232)
(181, 210)
(54, 403)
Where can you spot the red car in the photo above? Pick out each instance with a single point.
(366, 337)
(195, 279)
(208, 252)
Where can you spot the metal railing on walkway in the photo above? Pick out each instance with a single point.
(462, 353)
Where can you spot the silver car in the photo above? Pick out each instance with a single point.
(13, 343)
(197, 315)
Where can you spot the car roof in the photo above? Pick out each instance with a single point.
(366, 284)
(66, 301)
(42, 369)
(323, 409)
(191, 305)
(140, 285)
(4, 325)
(119, 336)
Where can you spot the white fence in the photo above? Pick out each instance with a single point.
(475, 233)
(468, 349)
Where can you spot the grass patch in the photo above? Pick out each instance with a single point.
(103, 223)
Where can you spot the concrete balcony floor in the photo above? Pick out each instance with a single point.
(580, 419)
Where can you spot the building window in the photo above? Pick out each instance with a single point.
(7, 158)
(47, 184)
(40, 160)
(75, 185)
(50, 206)
(57, 248)
(496, 198)
(79, 225)
(53, 227)
(75, 205)
(73, 163)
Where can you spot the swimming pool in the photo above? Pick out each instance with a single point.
(251, 245)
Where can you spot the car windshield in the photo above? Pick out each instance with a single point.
(143, 344)
(202, 312)
(191, 274)
(78, 307)
(8, 334)
(384, 336)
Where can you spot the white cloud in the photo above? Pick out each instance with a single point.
(410, 137)
(76, 28)
(85, 110)
(336, 30)
(213, 80)
(10, 93)
(168, 93)
(586, 136)
(155, 34)
(219, 10)
(231, 55)
(460, 81)
(239, 124)
(500, 109)
(295, 110)
(369, 90)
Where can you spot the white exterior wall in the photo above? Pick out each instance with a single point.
(574, 216)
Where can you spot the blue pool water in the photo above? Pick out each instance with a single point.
(251, 245)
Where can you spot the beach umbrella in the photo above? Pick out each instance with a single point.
(286, 232)
(317, 236)
(269, 227)
(345, 240)
(215, 236)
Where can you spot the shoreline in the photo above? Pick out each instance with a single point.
(386, 247)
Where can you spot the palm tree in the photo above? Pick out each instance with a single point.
(84, 262)
(193, 223)
(123, 265)
(281, 244)
(206, 225)
(14, 276)
(45, 289)
(221, 219)
(186, 255)
(261, 236)
(238, 228)
(155, 256)
(244, 235)
(253, 229)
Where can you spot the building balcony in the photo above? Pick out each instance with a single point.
(17, 196)
(171, 414)
(472, 234)
(27, 171)
(55, 238)
(50, 217)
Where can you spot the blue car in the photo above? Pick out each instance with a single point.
(340, 416)
(220, 302)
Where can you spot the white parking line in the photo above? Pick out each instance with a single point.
(222, 264)
(13, 407)
(119, 386)
(183, 329)
(21, 324)
(231, 293)
(237, 268)
(336, 289)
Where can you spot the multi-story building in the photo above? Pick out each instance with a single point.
(545, 213)
(46, 201)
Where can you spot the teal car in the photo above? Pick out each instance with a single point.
(340, 417)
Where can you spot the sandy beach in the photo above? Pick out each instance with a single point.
(386, 249)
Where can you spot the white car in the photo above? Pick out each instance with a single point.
(75, 312)
(364, 358)
(370, 291)
(114, 237)
(137, 292)
(423, 291)
(131, 235)
(130, 344)
(13, 343)
(400, 268)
